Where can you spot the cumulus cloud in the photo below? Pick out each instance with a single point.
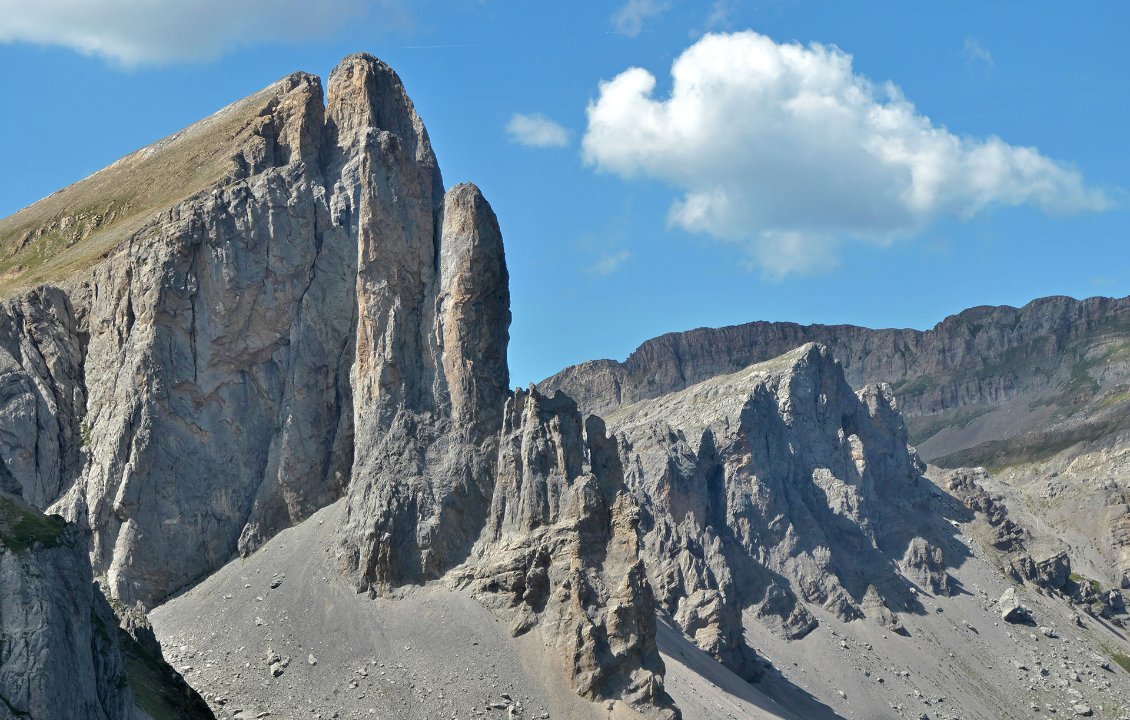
(786, 150)
(135, 32)
(536, 130)
(631, 16)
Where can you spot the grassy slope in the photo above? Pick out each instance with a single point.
(73, 228)
(21, 526)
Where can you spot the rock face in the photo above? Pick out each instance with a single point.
(191, 391)
(59, 654)
(194, 389)
(42, 393)
(430, 377)
(767, 490)
(62, 653)
(561, 552)
(449, 466)
(1069, 355)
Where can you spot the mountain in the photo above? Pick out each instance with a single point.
(285, 308)
(989, 386)
(1040, 395)
(259, 370)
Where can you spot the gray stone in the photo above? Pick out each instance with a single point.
(1010, 608)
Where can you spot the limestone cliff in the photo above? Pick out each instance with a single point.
(772, 489)
(190, 390)
(59, 654)
(561, 552)
(316, 318)
(990, 385)
(191, 393)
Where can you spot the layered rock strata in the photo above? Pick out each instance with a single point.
(1069, 355)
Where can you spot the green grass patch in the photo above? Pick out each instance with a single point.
(1122, 659)
(21, 526)
(157, 689)
(1078, 579)
(150, 691)
(1116, 398)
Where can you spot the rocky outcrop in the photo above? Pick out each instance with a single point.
(768, 490)
(42, 393)
(1011, 610)
(64, 652)
(1050, 570)
(449, 466)
(430, 377)
(560, 553)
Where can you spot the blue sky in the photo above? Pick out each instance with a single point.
(875, 163)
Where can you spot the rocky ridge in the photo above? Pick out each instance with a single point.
(774, 489)
(989, 386)
(314, 322)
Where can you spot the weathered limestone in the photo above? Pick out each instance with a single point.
(770, 489)
(59, 654)
(430, 376)
(42, 394)
(560, 553)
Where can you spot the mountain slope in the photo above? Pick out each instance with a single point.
(73, 228)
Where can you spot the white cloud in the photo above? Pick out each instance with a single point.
(536, 131)
(610, 263)
(974, 52)
(719, 15)
(631, 16)
(785, 149)
(135, 32)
